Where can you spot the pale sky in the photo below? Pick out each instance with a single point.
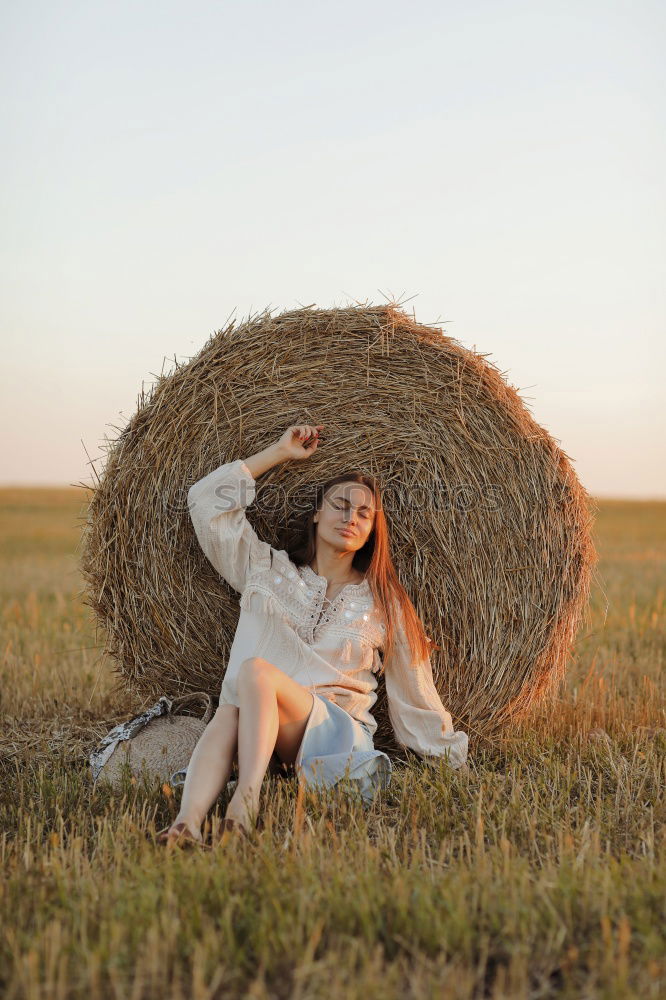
(499, 164)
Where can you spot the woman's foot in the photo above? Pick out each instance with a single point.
(242, 810)
(180, 833)
(230, 828)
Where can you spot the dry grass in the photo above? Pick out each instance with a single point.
(490, 528)
(540, 874)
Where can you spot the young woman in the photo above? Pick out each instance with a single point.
(302, 672)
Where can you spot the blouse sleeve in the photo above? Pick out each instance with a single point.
(417, 715)
(217, 508)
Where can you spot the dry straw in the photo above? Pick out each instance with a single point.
(490, 527)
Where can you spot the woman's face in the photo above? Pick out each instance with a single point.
(346, 516)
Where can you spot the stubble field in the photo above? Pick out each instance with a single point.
(540, 873)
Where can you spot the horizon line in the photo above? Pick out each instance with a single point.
(68, 486)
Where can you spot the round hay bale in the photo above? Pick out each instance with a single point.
(491, 529)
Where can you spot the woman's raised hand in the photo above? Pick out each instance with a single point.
(300, 440)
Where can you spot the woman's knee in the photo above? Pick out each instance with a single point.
(253, 671)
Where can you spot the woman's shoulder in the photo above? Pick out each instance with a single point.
(282, 563)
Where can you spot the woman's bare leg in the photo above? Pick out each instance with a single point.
(209, 768)
(274, 710)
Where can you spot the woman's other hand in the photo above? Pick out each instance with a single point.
(299, 441)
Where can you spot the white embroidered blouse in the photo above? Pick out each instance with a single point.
(331, 648)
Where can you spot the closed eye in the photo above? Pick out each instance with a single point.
(363, 513)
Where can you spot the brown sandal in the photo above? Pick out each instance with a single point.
(181, 837)
(231, 826)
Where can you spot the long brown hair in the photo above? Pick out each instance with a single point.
(373, 559)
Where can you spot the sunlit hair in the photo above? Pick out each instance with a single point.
(373, 559)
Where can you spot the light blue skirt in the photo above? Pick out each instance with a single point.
(336, 746)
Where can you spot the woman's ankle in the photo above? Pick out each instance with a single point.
(191, 823)
(244, 807)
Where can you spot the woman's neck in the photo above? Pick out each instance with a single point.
(336, 569)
